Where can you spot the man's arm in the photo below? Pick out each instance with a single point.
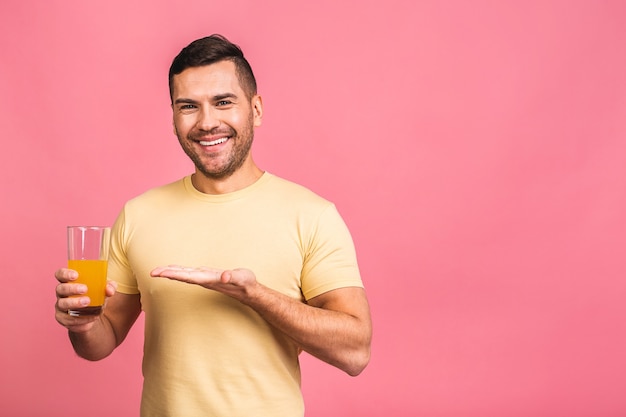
(334, 327)
(94, 337)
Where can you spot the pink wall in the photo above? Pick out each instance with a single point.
(475, 148)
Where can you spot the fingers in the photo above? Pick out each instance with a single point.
(186, 273)
(75, 324)
(160, 270)
(71, 303)
(206, 277)
(67, 290)
(65, 275)
(178, 270)
(67, 299)
(70, 297)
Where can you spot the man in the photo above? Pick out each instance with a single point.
(224, 340)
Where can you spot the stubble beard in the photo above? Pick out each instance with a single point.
(242, 143)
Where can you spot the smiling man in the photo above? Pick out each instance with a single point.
(214, 119)
(237, 270)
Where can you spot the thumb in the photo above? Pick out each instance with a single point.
(226, 276)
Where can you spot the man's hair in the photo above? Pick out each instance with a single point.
(209, 50)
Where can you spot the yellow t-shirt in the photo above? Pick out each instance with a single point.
(205, 353)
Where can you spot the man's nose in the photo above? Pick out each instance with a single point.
(207, 119)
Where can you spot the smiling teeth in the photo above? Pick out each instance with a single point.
(214, 142)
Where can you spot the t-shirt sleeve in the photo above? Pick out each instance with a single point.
(330, 261)
(119, 269)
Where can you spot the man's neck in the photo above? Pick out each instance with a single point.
(241, 179)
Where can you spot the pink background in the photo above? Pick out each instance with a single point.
(476, 149)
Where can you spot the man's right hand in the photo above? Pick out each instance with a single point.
(66, 292)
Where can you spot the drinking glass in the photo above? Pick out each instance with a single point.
(88, 251)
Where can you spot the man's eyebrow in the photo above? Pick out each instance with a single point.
(219, 97)
(185, 101)
(216, 97)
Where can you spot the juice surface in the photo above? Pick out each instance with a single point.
(92, 273)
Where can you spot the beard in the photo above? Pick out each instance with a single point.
(209, 165)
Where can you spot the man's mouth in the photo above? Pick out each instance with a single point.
(213, 142)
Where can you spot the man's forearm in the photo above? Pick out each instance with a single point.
(337, 337)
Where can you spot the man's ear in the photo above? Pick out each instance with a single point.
(257, 110)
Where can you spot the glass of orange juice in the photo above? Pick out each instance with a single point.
(88, 252)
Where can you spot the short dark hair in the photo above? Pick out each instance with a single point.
(212, 49)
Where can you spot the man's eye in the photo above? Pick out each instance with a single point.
(187, 107)
(223, 103)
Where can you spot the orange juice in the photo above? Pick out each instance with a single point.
(92, 273)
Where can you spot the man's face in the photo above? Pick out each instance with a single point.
(214, 119)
